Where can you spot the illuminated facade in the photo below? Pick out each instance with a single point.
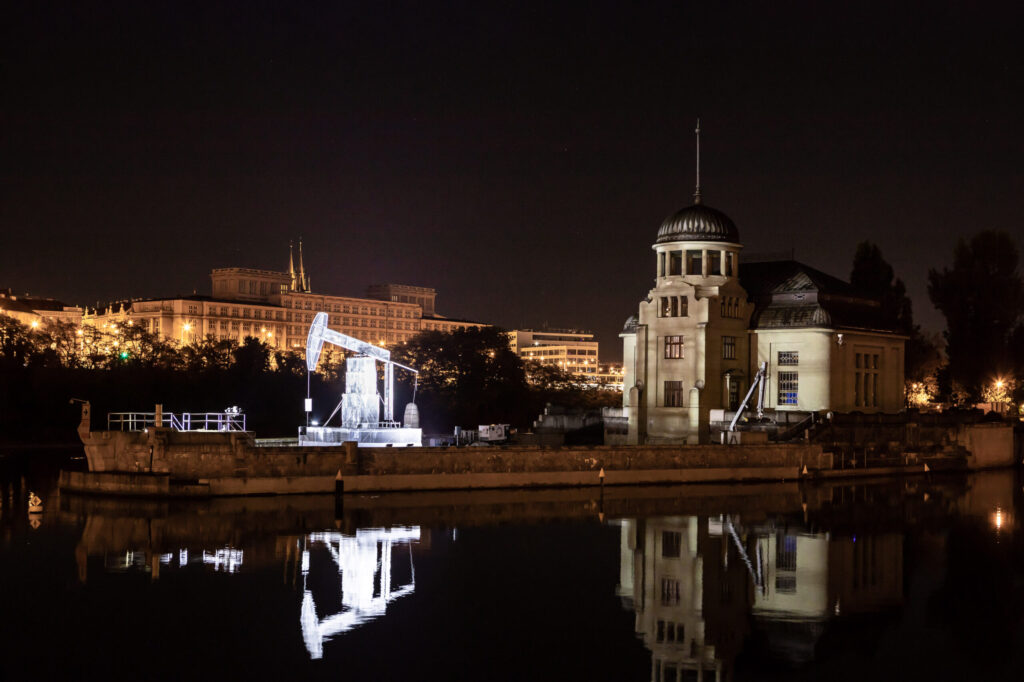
(275, 307)
(572, 350)
(701, 333)
(33, 311)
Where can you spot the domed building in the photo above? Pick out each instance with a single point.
(700, 335)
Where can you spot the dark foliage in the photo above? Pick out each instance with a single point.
(982, 298)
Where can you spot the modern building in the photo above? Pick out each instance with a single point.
(278, 308)
(573, 350)
(702, 332)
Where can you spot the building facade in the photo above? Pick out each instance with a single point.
(277, 308)
(34, 310)
(708, 324)
(574, 351)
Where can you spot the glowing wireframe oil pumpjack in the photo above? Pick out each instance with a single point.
(360, 404)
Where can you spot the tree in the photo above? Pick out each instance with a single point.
(252, 357)
(468, 377)
(207, 354)
(873, 276)
(982, 299)
(17, 349)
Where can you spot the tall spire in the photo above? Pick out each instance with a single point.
(696, 194)
(291, 265)
(302, 270)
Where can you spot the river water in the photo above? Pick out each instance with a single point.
(916, 578)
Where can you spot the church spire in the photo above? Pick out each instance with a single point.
(291, 265)
(696, 194)
(303, 282)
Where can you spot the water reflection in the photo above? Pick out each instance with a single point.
(364, 563)
(723, 583)
(705, 588)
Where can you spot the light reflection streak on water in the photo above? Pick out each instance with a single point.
(359, 564)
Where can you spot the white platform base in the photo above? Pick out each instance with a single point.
(367, 438)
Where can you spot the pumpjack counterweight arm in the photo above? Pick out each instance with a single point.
(319, 332)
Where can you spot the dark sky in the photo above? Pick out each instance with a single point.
(517, 156)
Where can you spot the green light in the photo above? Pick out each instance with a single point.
(124, 355)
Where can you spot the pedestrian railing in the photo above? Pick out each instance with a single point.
(181, 421)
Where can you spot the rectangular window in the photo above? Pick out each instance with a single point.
(673, 394)
(675, 263)
(671, 543)
(684, 306)
(694, 262)
(661, 264)
(729, 269)
(788, 387)
(715, 262)
(789, 358)
(785, 554)
(669, 592)
(728, 347)
(673, 347)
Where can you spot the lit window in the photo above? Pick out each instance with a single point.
(673, 347)
(788, 387)
(789, 358)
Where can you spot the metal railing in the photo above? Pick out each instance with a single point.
(182, 421)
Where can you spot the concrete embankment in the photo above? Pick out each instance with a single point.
(166, 463)
(188, 466)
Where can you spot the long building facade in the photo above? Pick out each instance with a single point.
(278, 308)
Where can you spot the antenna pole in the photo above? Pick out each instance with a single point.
(696, 194)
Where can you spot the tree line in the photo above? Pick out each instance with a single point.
(979, 357)
(467, 378)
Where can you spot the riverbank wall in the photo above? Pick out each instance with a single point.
(162, 462)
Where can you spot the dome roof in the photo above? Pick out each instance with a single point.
(698, 223)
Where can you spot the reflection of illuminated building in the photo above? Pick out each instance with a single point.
(694, 584)
(365, 564)
(662, 572)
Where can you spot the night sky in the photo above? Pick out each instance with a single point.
(517, 156)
